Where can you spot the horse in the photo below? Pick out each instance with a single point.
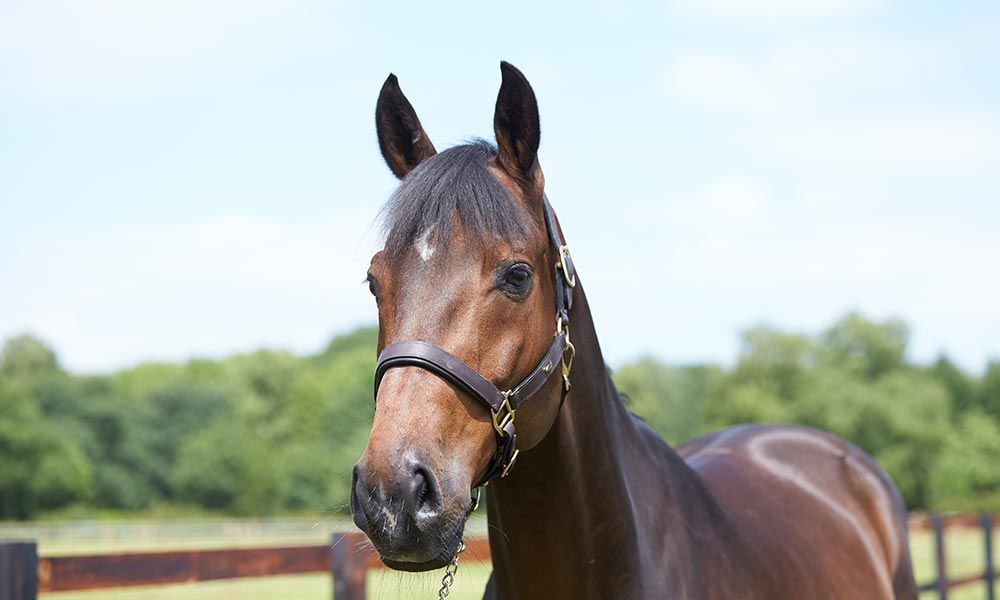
(480, 382)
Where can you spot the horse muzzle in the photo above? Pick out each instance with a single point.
(406, 520)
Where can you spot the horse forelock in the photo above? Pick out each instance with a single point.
(453, 188)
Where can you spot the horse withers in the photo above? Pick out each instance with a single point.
(490, 372)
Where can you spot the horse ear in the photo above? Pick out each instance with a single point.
(401, 138)
(516, 126)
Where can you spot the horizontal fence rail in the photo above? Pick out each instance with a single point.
(348, 558)
(151, 568)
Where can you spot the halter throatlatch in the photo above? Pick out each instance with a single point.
(503, 405)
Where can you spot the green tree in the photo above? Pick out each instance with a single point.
(362, 338)
(966, 475)
(39, 469)
(867, 348)
(228, 467)
(25, 355)
(748, 403)
(261, 384)
(270, 431)
(988, 395)
(89, 412)
(774, 361)
(330, 410)
(167, 417)
(673, 400)
(961, 387)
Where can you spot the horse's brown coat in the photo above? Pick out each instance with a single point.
(598, 506)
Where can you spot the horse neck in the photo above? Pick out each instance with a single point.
(583, 441)
(571, 500)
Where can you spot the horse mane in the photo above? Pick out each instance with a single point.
(456, 182)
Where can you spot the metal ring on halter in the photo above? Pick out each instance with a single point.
(563, 255)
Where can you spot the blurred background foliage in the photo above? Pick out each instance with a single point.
(271, 432)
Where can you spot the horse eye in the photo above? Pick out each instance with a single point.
(517, 277)
(371, 285)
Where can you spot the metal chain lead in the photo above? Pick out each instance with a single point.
(449, 573)
(452, 568)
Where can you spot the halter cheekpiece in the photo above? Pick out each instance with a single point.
(503, 405)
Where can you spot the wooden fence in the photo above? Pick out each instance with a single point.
(938, 524)
(23, 575)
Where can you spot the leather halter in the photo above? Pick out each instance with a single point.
(503, 405)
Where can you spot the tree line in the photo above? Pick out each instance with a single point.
(271, 432)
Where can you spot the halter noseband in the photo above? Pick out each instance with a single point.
(503, 405)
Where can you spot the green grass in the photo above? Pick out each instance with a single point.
(964, 548)
(382, 585)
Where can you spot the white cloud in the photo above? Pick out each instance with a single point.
(114, 296)
(770, 10)
(50, 48)
(943, 144)
(737, 252)
(735, 198)
(874, 179)
(793, 75)
(844, 105)
(715, 81)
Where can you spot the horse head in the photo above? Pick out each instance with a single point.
(465, 287)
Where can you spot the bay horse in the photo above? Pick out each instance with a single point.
(483, 324)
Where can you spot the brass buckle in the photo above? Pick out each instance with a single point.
(570, 279)
(567, 365)
(500, 422)
(506, 467)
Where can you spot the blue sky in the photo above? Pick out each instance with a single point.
(195, 178)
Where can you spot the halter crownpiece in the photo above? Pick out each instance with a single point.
(503, 405)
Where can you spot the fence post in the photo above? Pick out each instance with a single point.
(989, 575)
(348, 567)
(937, 523)
(18, 571)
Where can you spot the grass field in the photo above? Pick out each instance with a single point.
(964, 547)
(382, 585)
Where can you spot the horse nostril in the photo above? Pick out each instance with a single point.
(358, 507)
(423, 490)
